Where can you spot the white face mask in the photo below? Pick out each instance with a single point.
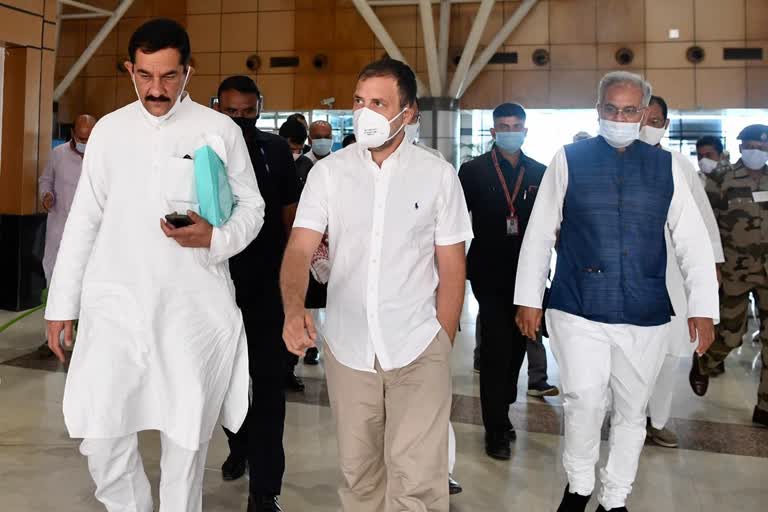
(296, 156)
(619, 135)
(156, 120)
(372, 128)
(707, 166)
(80, 147)
(651, 135)
(754, 159)
(412, 132)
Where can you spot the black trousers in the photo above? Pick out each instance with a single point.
(260, 439)
(501, 355)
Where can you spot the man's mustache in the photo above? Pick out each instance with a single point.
(158, 99)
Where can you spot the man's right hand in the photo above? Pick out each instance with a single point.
(528, 320)
(48, 200)
(54, 329)
(299, 332)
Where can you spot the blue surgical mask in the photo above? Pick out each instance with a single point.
(511, 142)
(322, 147)
(80, 147)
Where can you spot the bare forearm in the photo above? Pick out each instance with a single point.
(294, 280)
(450, 300)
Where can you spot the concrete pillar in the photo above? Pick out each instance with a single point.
(440, 126)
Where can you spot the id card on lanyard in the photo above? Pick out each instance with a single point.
(513, 221)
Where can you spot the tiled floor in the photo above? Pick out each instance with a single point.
(724, 465)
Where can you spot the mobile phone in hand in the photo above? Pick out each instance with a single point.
(178, 221)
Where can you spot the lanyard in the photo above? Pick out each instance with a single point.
(510, 199)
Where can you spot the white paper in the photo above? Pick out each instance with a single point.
(760, 197)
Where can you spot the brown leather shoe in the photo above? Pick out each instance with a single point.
(699, 382)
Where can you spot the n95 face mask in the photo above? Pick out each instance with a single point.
(372, 128)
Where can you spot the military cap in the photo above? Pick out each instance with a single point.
(757, 132)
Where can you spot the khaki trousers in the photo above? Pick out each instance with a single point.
(393, 443)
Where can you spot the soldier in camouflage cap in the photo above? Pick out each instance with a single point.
(739, 198)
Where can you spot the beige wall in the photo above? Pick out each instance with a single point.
(101, 87)
(27, 100)
(582, 37)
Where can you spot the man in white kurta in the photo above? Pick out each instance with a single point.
(161, 344)
(607, 201)
(57, 187)
(679, 346)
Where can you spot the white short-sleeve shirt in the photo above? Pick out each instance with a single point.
(383, 225)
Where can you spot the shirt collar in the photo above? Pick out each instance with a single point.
(394, 158)
(503, 161)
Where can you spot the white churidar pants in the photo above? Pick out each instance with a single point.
(598, 361)
(122, 486)
(660, 404)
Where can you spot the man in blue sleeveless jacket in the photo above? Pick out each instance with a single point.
(606, 201)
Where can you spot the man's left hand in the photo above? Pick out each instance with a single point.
(198, 234)
(702, 329)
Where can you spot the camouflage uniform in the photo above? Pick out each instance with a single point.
(744, 232)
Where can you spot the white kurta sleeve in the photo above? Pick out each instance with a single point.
(541, 234)
(688, 234)
(702, 203)
(80, 233)
(47, 180)
(248, 214)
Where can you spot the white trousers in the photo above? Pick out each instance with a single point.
(122, 486)
(660, 404)
(601, 362)
(451, 448)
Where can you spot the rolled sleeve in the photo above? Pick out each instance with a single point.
(453, 222)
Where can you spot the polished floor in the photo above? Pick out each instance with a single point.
(722, 463)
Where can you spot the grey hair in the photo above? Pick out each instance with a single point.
(624, 78)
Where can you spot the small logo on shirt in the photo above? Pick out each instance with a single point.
(415, 206)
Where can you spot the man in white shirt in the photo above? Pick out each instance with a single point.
(680, 348)
(606, 202)
(161, 344)
(397, 224)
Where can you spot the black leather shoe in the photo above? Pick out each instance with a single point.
(620, 509)
(573, 502)
(497, 446)
(294, 383)
(699, 382)
(263, 504)
(760, 417)
(312, 357)
(454, 487)
(233, 468)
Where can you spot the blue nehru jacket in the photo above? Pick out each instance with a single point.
(611, 254)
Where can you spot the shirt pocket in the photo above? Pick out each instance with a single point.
(177, 176)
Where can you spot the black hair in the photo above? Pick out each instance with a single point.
(158, 34)
(239, 83)
(297, 115)
(710, 140)
(406, 79)
(658, 100)
(349, 139)
(294, 131)
(509, 110)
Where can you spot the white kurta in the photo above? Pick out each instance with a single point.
(161, 344)
(60, 179)
(684, 221)
(679, 341)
